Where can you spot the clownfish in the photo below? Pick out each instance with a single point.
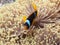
(30, 19)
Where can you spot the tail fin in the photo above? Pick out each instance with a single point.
(34, 6)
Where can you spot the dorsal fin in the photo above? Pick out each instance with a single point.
(24, 18)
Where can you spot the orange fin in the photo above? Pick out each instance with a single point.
(24, 18)
(34, 6)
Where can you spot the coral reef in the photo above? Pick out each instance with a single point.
(10, 23)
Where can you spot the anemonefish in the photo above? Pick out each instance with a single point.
(30, 19)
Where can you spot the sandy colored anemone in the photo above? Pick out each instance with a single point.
(10, 24)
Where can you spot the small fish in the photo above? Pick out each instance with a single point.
(29, 21)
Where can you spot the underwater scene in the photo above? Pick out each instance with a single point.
(29, 22)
